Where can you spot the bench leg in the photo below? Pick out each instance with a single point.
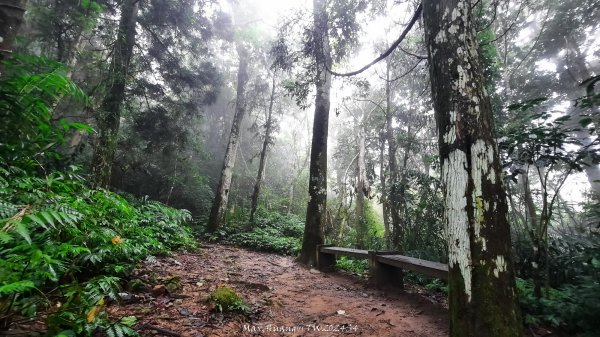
(383, 275)
(325, 261)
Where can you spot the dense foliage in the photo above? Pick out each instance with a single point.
(64, 247)
(270, 232)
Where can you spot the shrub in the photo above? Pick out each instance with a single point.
(574, 308)
(360, 267)
(270, 232)
(66, 245)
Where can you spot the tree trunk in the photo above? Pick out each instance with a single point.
(219, 206)
(384, 201)
(263, 153)
(317, 186)
(11, 18)
(482, 295)
(394, 197)
(110, 108)
(534, 231)
(362, 187)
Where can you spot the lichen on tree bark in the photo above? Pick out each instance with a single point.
(482, 287)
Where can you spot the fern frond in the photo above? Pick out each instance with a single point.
(16, 287)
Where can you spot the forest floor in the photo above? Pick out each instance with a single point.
(282, 294)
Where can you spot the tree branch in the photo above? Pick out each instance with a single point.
(412, 22)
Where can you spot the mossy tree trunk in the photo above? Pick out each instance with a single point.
(109, 118)
(219, 206)
(317, 185)
(482, 295)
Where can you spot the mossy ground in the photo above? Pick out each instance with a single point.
(227, 300)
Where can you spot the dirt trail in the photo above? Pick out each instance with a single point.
(283, 295)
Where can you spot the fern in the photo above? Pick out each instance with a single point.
(16, 287)
(121, 330)
(7, 210)
(55, 228)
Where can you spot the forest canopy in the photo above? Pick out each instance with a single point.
(458, 132)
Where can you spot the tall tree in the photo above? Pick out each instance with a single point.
(110, 109)
(382, 181)
(219, 206)
(482, 293)
(362, 187)
(394, 194)
(265, 147)
(317, 186)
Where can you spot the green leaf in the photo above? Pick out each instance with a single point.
(37, 220)
(128, 320)
(49, 219)
(16, 287)
(80, 126)
(5, 237)
(20, 228)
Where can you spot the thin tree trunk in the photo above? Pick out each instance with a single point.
(394, 197)
(219, 206)
(263, 153)
(362, 186)
(384, 201)
(534, 223)
(110, 108)
(482, 296)
(317, 186)
(290, 197)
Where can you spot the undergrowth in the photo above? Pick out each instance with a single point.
(270, 232)
(64, 247)
(360, 267)
(573, 308)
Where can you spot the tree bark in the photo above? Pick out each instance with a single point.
(482, 295)
(263, 153)
(317, 186)
(394, 195)
(110, 109)
(384, 201)
(219, 206)
(11, 18)
(362, 187)
(534, 225)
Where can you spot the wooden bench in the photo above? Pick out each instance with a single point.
(326, 256)
(385, 267)
(429, 268)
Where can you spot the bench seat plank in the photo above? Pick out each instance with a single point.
(355, 253)
(429, 268)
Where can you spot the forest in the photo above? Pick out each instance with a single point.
(299, 168)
